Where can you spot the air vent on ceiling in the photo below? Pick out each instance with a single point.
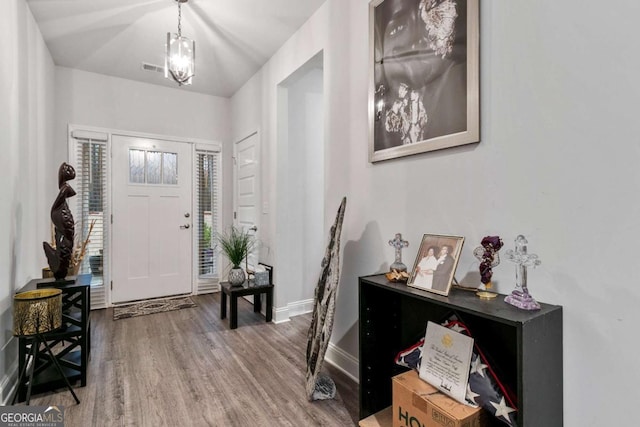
(150, 67)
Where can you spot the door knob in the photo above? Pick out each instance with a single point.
(187, 215)
(254, 228)
(184, 227)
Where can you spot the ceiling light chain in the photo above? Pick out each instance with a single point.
(179, 19)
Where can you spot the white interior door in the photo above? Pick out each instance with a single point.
(152, 224)
(247, 189)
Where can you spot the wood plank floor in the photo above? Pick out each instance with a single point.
(187, 368)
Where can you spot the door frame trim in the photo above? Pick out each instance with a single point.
(213, 144)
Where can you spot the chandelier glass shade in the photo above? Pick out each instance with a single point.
(180, 57)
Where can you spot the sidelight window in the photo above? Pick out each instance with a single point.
(207, 211)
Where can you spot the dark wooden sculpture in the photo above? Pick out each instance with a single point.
(320, 386)
(60, 256)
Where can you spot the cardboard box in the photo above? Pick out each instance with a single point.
(417, 403)
(379, 419)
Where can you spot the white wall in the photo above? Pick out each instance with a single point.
(309, 98)
(104, 101)
(557, 163)
(26, 127)
(300, 180)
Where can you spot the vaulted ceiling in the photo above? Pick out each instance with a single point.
(234, 38)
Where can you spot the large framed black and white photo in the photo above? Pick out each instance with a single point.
(424, 77)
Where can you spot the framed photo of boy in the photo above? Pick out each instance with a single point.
(436, 263)
(424, 76)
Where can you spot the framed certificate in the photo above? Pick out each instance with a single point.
(446, 358)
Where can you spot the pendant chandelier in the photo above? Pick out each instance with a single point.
(180, 58)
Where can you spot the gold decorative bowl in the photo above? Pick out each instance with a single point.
(397, 276)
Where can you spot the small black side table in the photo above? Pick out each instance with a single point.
(247, 288)
(72, 342)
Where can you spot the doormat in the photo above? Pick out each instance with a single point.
(152, 307)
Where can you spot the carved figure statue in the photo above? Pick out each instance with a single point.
(60, 256)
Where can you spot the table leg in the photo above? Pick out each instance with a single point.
(257, 303)
(269, 305)
(23, 371)
(35, 357)
(223, 305)
(234, 312)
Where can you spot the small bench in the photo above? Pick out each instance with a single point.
(247, 288)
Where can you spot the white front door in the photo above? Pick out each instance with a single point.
(152, 224)
(246, 189)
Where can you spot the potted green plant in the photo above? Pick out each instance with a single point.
(236, 245)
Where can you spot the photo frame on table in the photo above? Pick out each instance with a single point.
(424, 76)
(436, 263)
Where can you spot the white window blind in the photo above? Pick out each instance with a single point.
(206, 220)
(91, 213)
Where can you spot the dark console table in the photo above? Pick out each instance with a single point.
(248, 288)
(71, 343)
(525, 346)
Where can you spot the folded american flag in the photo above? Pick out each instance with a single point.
(484, 388)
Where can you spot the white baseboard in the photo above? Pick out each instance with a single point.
(295, 308)
(337, 357)
(342, 360)
(8, 355)
(9, 384)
